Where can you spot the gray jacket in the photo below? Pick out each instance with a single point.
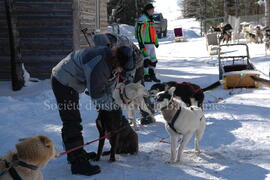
(87, 68)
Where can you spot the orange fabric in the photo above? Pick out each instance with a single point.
(152, 31)
(144, 27)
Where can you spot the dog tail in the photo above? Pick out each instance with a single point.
(212, 86)
(261, 80)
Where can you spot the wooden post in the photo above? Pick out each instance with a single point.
(204, 16)
(15, 54)
(201, 18)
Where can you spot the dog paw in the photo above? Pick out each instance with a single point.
(170, 162)
(197, 152)
(112, 160)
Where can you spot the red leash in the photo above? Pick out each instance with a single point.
(166, 142)
(78, 147)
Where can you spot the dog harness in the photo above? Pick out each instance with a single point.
(16, 162)
(171, 124)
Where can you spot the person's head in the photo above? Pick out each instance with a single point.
(122, 58)
(149, 9)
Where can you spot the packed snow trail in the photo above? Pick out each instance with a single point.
(236, 143)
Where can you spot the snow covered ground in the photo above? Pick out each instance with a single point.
(236, 144)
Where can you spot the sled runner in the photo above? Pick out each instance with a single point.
(236, 70)
(178, 34)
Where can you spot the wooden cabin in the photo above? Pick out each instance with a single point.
(48, 30)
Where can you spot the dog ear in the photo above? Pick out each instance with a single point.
(45, 141)
(171, 91)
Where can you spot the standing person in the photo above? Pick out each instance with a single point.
(95, 69)
(147, 38)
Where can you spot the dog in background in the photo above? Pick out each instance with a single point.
(131, 97)
(30, 155)
(181, 121)
(123, 140)
(267, 40)
(225, 32)
(189, 93)
(259, 34)
(251, 37)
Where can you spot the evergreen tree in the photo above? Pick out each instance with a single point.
(215, 8)
(126, 11)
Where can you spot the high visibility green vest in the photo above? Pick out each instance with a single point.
(146, 31)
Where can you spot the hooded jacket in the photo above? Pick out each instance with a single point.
(86, 68)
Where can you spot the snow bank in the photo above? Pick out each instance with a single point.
(126, 30)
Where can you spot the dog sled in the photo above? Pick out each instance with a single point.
(179, 35)
(236, 70)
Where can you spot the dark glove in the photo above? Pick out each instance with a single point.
(157, 45)
(141, 45)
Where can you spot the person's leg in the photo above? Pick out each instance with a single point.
(153, 62)
(146, 64)
(68, 105)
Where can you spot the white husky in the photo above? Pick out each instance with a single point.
(130, 97)
(180, 121)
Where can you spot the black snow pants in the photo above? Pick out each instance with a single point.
(68, 105)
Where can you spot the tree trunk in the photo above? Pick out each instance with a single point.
(226, 16)
(267, 13)
(237, 8)
(201, 16)
(15, 54)
(204, 15)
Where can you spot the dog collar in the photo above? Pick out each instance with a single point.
(123, 96)
(18, 162)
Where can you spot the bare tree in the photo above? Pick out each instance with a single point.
(237, 8)
(226, 15)
(267, 12)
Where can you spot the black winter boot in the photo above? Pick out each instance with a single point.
(153, 75)
(147, 78)
(82, 166)
(146, 119)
